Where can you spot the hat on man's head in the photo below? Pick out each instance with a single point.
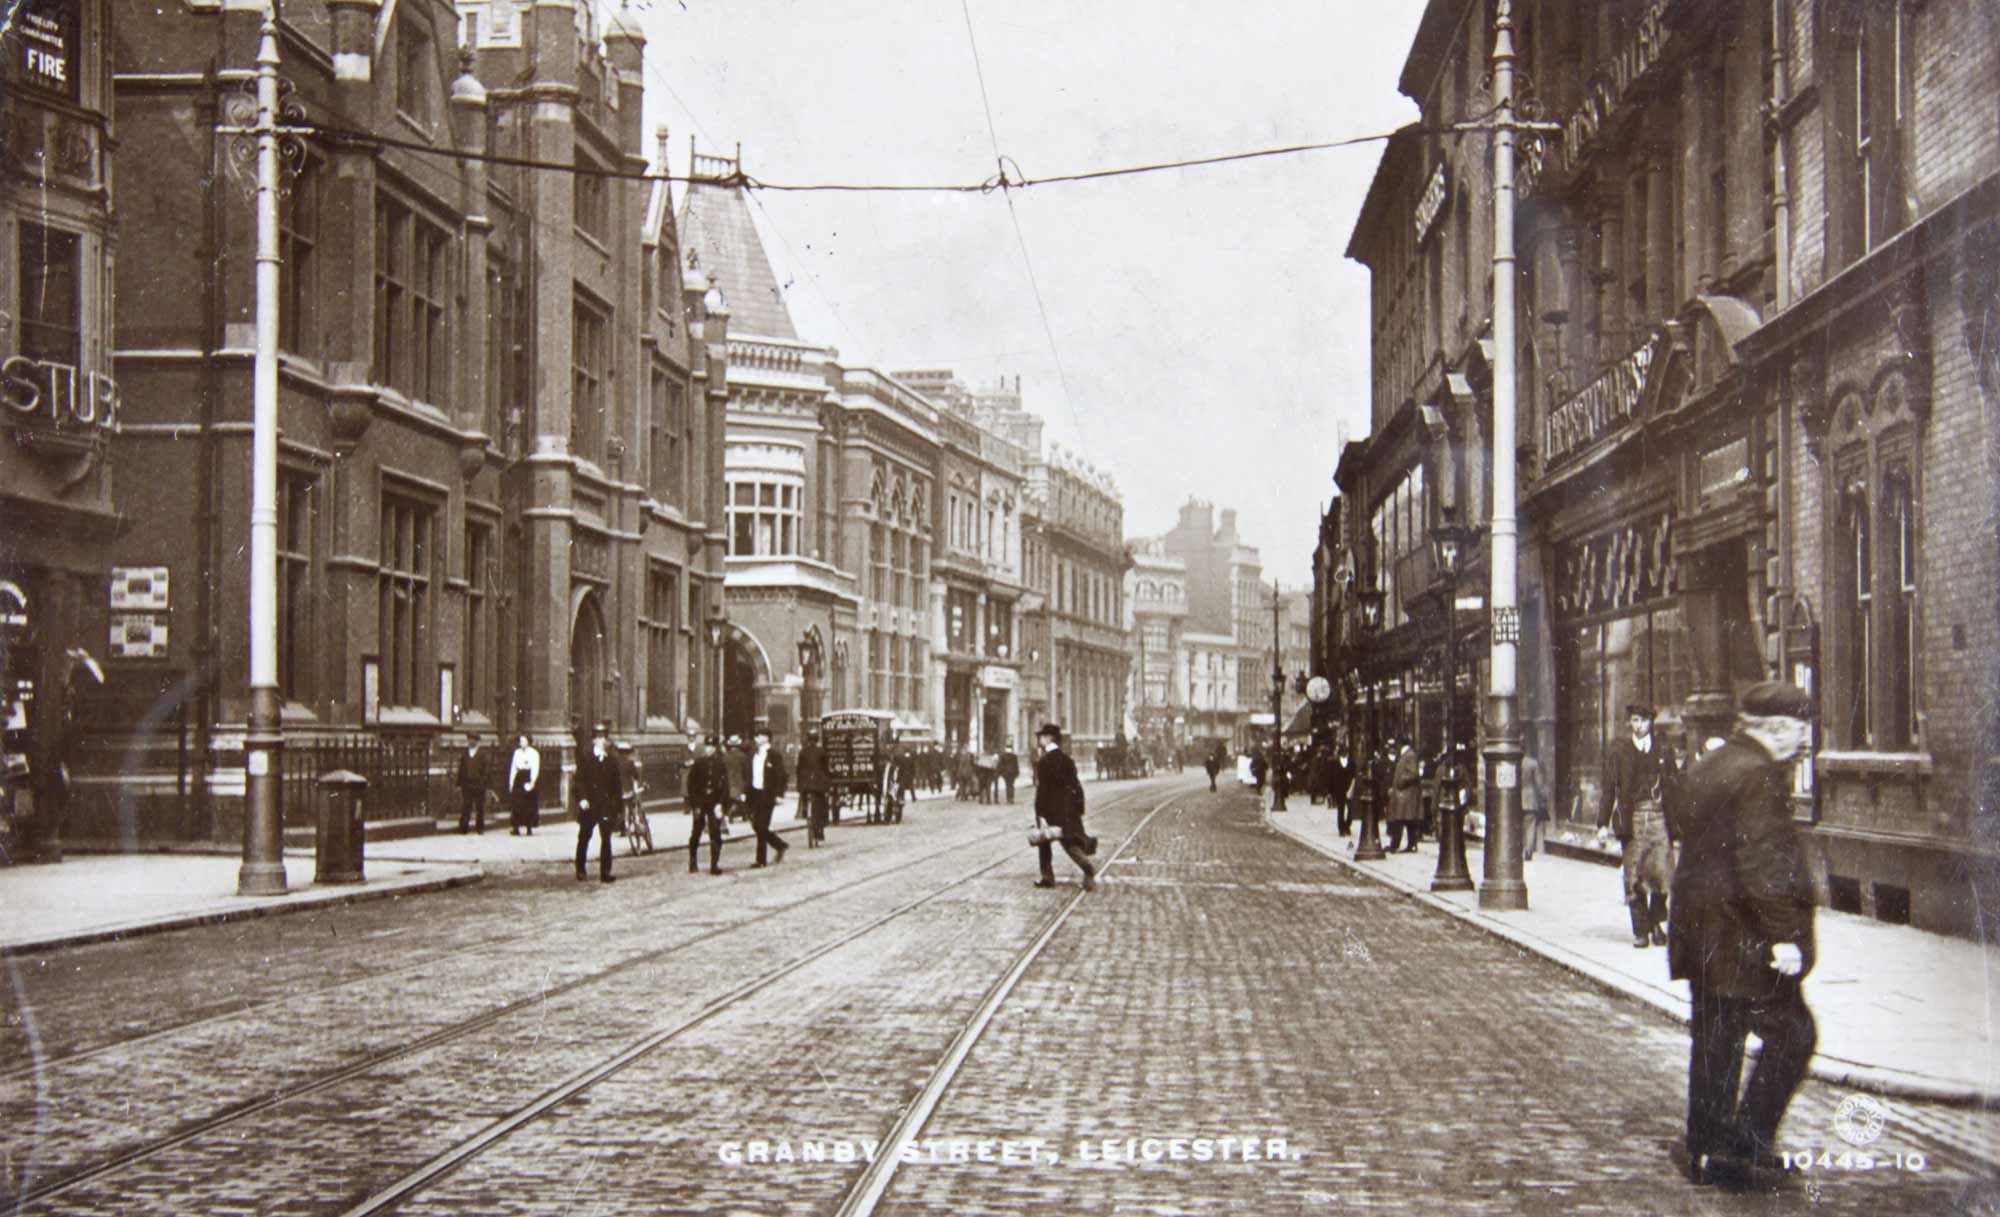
(1050, 729)
(1638, 709)
(1775, 698)
(711, 741)
(603, 726)
(762, 729)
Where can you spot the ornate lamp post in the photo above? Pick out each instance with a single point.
(1370, 847)
(1452, 540)
(718, 629)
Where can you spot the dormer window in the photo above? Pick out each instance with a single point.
(414, 64)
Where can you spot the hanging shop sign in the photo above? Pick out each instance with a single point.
(1604, 405)
(41, 39)
(1608, 90)
(1617, 570)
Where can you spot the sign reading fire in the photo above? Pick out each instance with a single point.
(41, 46)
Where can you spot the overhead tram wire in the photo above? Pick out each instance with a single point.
(1013, 216)
(1002, 181)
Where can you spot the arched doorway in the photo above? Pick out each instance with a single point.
(586, 661)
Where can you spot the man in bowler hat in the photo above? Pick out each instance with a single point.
(767, 778)
(1742, 937)
(1059, 801)
(599, 800)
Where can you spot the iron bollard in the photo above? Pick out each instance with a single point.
(337, 843)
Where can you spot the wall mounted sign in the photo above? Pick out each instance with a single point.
(1604, 405)
(42, 39)
(57, 394)
(138, 636)
(136, 589)
(1618, 569)
(1436, 191)
(1606, 91)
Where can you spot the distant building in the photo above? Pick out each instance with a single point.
(1226, 599)
(1156, 610)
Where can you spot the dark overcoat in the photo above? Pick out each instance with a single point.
(1406, 787)
(814, 775)
(1742, 883)
(600, 784)
(1059, 793)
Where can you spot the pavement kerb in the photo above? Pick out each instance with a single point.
(1894, 1083)
(379, 890)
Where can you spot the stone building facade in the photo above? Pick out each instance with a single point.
(495, 435)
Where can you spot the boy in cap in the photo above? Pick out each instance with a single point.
(1742, 937)
(1633, 808)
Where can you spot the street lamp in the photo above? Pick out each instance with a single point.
(718, 627)
(1276, 767)
(1452, 541)
(1370, 848)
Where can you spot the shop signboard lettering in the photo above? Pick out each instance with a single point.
(46, 393)
(42, 46)
(590, 557)
(1604, 405)
(1431, 204)
(1607, 90)
(1616, 570)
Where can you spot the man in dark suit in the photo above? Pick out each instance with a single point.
(1010, 769)
(1742, 937)
(707, 795)
(475, 775)
(1059, 801)
(1634, 809)
(1212, 766)
(766, 786)
(815, 781)
(599, 791)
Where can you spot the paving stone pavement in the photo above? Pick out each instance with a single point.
(1225, 984)
(338, 989)
(1231, 983)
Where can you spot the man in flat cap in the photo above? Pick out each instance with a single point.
(1633, 808)
(1742, 937)
(1059, 801)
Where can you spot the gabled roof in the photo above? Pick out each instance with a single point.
(719, 234)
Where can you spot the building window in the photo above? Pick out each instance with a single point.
(404, 590)
(1874, 675)
(51, 295)
(999, 629)
(296, 530)
(590, 365)
(662, 626)
(591, 195)
(765, 517)
(481, 664)
(414, 65)
(1872, 74)
(960, 607)
(669, 402)
(412, 285)
(878, 562)
(505, 368)
(298, 265)
(876, 675)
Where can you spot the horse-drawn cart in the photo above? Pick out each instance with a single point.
(860, 745)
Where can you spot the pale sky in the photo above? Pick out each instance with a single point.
(1212, 337)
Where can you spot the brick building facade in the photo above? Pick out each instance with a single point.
(1756, 396)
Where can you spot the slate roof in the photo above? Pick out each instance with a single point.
(717, 230)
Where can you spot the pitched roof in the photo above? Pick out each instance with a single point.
(717, 231)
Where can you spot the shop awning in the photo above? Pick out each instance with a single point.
(1301, 722)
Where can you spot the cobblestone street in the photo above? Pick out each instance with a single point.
(1281, 1034)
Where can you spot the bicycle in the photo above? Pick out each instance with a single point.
(637, 829)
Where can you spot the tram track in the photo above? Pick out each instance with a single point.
(238, 1114)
